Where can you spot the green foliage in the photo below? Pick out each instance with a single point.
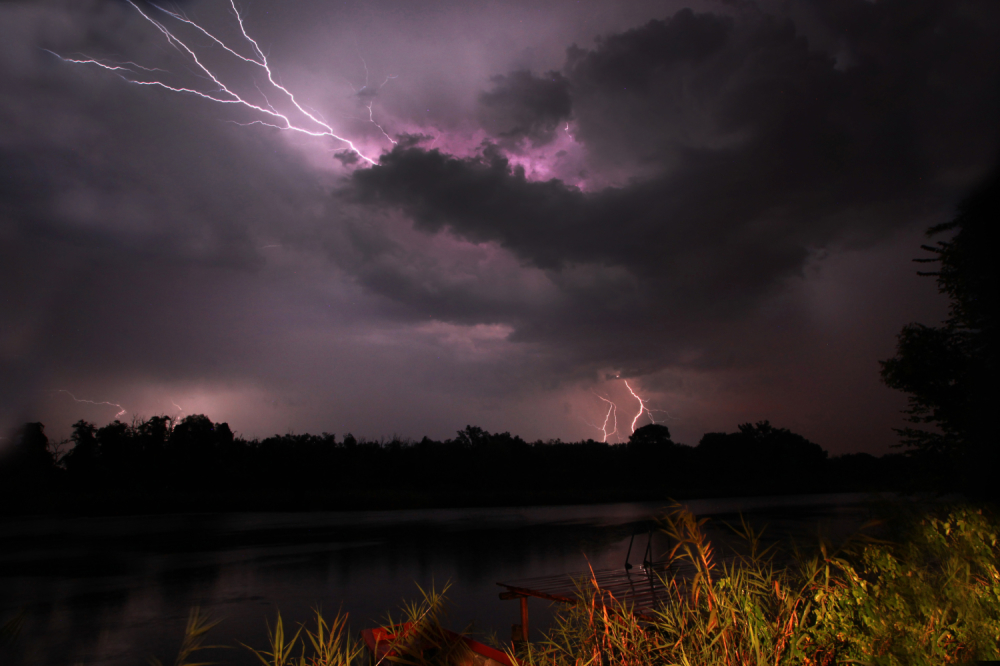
(933, 599)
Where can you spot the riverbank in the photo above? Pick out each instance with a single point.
(925, 592)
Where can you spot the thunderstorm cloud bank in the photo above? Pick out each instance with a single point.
(718, 201)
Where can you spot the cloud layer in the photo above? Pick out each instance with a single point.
(748, 151)
(687, 200)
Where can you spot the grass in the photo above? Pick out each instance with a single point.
(327, 643)
(928, 594)
(195, 632)
(932, 598)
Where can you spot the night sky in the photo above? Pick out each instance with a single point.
(718, 202)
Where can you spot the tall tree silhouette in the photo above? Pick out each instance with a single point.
(950, 371)
(82, 459)
(29, 464)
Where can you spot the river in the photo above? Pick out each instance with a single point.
(113, 591)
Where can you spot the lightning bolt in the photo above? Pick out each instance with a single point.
(223, 94)
(387, 79)
(94, 402)
(612, 413)
(642, 407)
(372, 119)
(365, 91)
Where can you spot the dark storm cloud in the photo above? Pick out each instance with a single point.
(753, 149)
(705, 82)
(347, 157)
(524, 106)
(128, 221)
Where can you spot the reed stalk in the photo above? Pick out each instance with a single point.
(933, 599)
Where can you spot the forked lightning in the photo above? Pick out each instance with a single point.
(225, 94)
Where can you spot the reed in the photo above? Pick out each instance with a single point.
(326, 643)
(932, 599)
(421, 638)
(198, 625)
(331, 643)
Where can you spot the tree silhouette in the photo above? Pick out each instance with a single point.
(762, 457)
(116, 451)
(197, 451)
(950, 372)
(156, 465)
(471, 437)
(82, 459)
(650, 437)
(30, 464)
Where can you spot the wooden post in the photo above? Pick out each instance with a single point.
(522, 628)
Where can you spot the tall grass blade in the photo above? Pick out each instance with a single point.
(198, 625)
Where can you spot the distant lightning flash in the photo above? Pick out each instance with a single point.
(642, 407)
(612, 412)
(370, 93)
(372, 119)
(94, 402)
(223, 94)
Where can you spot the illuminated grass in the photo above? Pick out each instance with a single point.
(932, 599)
(329, 643)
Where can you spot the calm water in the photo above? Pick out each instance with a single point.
(114, 591)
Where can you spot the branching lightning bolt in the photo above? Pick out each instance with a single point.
(365, 91)
(372, 119)
(384, 133)
(612, 412)
(224, 95)
(94, 402)
(642, 407)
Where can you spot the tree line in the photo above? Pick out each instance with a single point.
(161, 464)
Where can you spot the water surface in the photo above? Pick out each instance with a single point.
(112, 591)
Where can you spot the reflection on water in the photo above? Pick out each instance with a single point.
(115, 590)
